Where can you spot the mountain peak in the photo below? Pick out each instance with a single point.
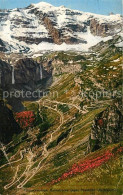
(42, 4)
(43, 24)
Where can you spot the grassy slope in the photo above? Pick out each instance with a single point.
(106, 177)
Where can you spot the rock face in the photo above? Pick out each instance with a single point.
(27, 72)
(103, 29)
(30, 40)
(55, 33)
(25, 80)
(106, 128)
(58, 36)
(8, 125)
(5, 73)
(2, 46)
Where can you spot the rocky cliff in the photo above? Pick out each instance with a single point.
(103, 29)
(26, 72)
(5, 73)
(2, 46)
(8, 125)
(26, 79)
(107, 127)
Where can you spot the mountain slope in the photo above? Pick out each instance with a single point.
(58, 141)
(27, 29)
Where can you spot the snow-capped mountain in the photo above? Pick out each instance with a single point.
(45, 27)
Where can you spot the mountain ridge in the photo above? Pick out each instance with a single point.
(27, 29)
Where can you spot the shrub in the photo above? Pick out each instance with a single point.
(63, 108)
(63, 136)
(52, 144)
(25, 119)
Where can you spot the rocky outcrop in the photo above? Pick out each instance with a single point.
(73, 40)
(108, 48)
(77, 27)
(2, 46)
(103, 29)
(8, 125)
(36, 41)
(58, 36)
(5, 73)
(107, 127)
(55, 33)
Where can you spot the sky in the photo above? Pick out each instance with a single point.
(94, 6)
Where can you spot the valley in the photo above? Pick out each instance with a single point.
(60, 136)
(60, 102)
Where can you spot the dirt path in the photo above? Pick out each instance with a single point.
(21, 154)
(28, 172)
(62, 103)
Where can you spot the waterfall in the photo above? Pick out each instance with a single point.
(41, 74)
(4, 152)
(13, 76)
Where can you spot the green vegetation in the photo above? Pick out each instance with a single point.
(38, 119)
(61, 137)
(31, 106)
(43, 129)
(67, 57)
(107, 178)
(52, 144)
(43, 123)
(61, 159)
(63, 108)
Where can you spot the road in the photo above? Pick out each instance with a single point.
(30, 172)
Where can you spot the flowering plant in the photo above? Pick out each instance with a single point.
(25, 119)
(88, 165)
